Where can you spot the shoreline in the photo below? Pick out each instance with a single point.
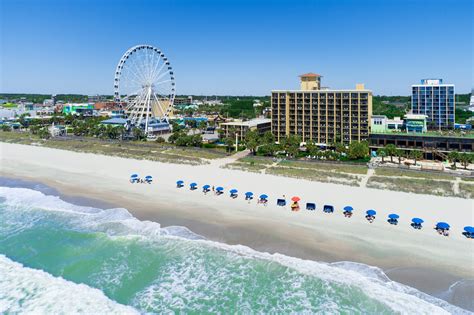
(413, 276)
(399, 251)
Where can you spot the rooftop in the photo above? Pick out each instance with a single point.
(310, 75)
(249, 123)
(115, 121)
(450, 134)
(322, 91)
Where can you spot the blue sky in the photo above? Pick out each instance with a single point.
(237, 47)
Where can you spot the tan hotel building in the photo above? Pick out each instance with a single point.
(322, 115)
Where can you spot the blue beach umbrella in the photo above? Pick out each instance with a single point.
(371, 212)
(469, 229)
(393, 216)
(233, 191)
(179, 182)
(148, 177)
(348, 208)
(249, 194)
(219, 188)
(206, 187)
(263, 196)
(417, 220)
(134, 175)
(442, 226)
(193, 184)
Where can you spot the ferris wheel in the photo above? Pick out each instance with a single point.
(144, 80)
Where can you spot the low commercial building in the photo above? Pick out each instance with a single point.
(324, 116)
(242, 127)
(434, 145)
(116, 122)
(410, 123)
(183, 100)
(86, 109)
(416, 123)
(378, 123)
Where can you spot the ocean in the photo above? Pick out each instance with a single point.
(58, 257)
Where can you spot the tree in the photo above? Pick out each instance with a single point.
(196, 141)
(416, 155)
(34, 129)
(160, 140)
(202, 125)
(138, 133)
(381, 152)
(465, 159)
(22, 119)
(358, 150)
(252, 140)
(43, 133)
(267, 149)
(6, 127)
(399, 153)
(112, 132)
(268, 138)
(453, 157)
(291, 144)
(311, 148)
(229, 142)
(390, 150)
(183, 141)
(340, 148)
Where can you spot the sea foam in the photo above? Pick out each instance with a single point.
(26, 290)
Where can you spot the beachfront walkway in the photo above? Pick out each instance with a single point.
(229, 159)
(365, 179)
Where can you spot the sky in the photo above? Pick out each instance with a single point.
(237, 47)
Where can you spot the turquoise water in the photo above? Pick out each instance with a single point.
(126, 265)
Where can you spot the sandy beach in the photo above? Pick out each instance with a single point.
(420, 258)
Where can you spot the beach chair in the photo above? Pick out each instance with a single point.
(310, 206)
(328, 208)
(281, 202)
(392, 221)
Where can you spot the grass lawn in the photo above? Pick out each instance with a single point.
(413, 185)
(468, 179)
(343, 168)
(408, 173)
(256, 160)
(138, 150)
(317, 175)
(198, 152)
(248, 167)
(466, 190)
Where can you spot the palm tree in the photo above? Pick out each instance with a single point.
(453, 156)
(399, 153)
(416, 155)
(391, 150)
(465, 159)
(382, 153)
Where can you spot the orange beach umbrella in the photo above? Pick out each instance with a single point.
(295, 199)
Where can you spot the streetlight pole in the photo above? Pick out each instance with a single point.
(236, 142)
